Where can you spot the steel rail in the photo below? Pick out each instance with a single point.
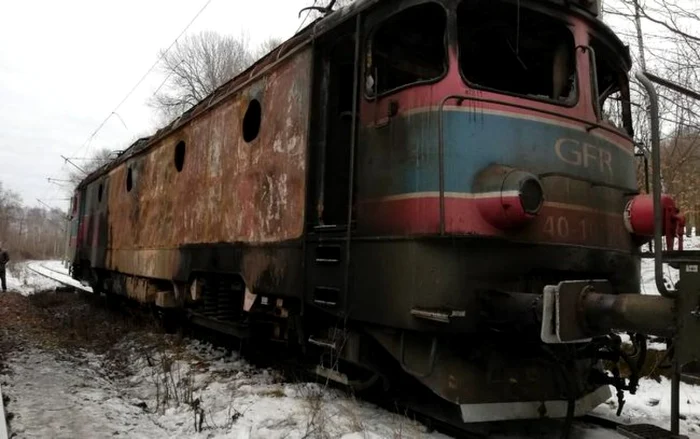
(57, 279)
(3, 418)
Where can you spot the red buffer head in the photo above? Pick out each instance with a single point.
(639, 219)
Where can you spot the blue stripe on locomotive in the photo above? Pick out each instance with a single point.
(402, 157)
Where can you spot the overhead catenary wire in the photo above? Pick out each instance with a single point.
(86, 144)
(74, 165)
(145, 75)
(155, 64)
(44, 204)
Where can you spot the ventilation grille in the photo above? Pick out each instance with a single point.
(222, 298)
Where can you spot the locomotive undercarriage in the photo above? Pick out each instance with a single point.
(465, 334)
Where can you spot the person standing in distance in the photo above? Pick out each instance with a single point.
(4, 259)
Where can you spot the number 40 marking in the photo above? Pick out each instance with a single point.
(557, 227)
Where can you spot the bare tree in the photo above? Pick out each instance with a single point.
(196, 66)
(267, 46)
(30, 232)
(666, 41)
(10, 210)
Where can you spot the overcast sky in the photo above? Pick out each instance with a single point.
(65, 65)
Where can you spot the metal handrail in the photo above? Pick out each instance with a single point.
(656, 182)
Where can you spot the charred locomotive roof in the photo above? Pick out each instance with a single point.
(587, 8)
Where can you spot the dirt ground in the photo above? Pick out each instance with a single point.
(65, 325)
(64, 320)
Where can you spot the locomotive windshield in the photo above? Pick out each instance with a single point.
(508, 48)
(410, 48)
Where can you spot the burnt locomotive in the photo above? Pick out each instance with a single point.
(403, 185)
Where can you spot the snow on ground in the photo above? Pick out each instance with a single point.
(670, 274)
(194, 392)
(57, 266)
(652, 405)
(57, 270)
(73, 398)
(52, 397)
(25, 281)
(70, 372)
(239, 400)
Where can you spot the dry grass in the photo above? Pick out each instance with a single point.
(124, 338)
(65, 322)
(316, 415)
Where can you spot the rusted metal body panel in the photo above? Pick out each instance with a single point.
(229, 190)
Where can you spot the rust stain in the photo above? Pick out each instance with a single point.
(140, 289)
(229, 190)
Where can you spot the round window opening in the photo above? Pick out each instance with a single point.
(99, 193)
(180, 155)
(251, 121)
(129, 180)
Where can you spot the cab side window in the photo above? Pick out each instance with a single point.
(613, 99)
(408, 48)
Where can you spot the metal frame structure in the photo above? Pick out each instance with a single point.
(687, 261)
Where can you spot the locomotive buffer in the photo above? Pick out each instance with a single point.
(578, 311)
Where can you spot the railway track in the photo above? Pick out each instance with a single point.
(61, 277)
(422, 409)
(3, 419)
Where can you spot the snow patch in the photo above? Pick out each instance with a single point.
(91, 395)
(652, 405)
(648, 280)
(58, 272)
(25, 281)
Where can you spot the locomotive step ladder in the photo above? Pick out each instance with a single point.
(326, 257)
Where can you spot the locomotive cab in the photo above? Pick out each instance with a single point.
(493, 154)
